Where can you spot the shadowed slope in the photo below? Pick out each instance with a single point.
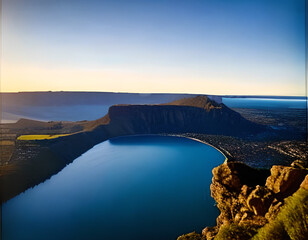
(194, 115)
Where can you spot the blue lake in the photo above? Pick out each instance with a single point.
(265, 103)
(133, 188)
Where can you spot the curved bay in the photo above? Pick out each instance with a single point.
(137, 187)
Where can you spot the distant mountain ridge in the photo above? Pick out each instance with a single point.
(195, 115)
(61, 106)
(86, 98)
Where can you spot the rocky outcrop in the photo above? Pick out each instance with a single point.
(284, 181)
(241, 194)
(237, 199)
(249, 198)
(259, 200)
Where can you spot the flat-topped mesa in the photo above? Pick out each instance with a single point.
(194, 115)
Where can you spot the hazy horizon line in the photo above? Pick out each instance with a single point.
(177, 93)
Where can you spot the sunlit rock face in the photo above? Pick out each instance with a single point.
(238, 194)
(284, 181)
(250, 197)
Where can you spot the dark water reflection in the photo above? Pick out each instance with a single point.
(141, 187)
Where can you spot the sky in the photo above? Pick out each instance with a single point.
(250, 47)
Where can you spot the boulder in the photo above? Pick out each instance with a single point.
(259, 200)
(232, 183)
(284, 181)
(224, 175)
(233, 175)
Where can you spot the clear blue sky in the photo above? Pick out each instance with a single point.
(193, 46)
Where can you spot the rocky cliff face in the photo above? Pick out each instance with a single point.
(250, 198)
(237, 191)
(194, 115)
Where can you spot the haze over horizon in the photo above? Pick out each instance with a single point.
(221, 47)
(148, 93)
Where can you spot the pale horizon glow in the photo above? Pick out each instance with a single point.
(200, 47)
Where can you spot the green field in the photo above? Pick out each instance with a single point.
(40, 137)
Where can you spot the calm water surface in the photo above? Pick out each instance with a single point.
(55, 113)
(133, 188)
(265, 103)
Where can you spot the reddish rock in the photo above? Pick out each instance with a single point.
(231, 186)
(285, 180)
(224, 175)
(259, 200)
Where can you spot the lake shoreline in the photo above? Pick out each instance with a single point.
(257, 153)
(201, 141)
(173, 178)
(57, 153)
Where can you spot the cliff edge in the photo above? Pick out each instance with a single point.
(258, 204)
(193, 115)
